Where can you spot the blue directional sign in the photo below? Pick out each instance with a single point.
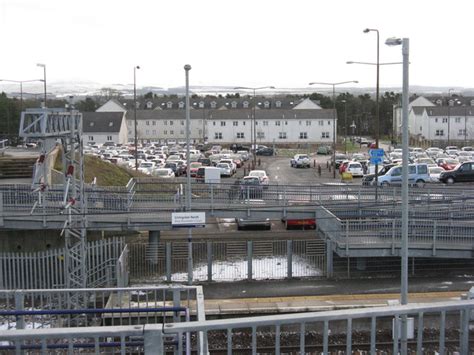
(376, 156)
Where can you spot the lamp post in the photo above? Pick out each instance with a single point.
(253, 123)
(345, 125)
(187, 68)
(44, 80)
(334, 116)
(135, 113)
(405, 42)
(449, 115)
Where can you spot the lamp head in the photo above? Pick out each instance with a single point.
(350, 62)
(187, 67)
(137, 67)
(393, 41)
(366, 30)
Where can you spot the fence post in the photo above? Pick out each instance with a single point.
(20, 306)
(329, 268)
(289, 255)
(1, 210)
(393, 237)
(153, 339)
(212, 199)
(435, 230)
(168, 261)
(209, 261)
(347, 236)
(249, 259)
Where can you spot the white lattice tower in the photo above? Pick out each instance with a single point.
(53, 126)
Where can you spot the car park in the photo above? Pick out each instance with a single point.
(300, 161)
(462, 173)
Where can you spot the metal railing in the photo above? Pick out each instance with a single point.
(46, 269)
(227, 260)
(432, 327)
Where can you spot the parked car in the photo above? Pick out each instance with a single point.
(163, 173)
(300, 161)
(261, 174)
(236, 147)
(146, 167)
(447, 163)
(435, 172)
(226, 169)
(200, 174)
(323, 150)
(251, 188)
(265, 151)
(462, 173)
(369, 179)
(205, 161)
(417, 174)
(339, 158)
(355, 168)
(193, 168)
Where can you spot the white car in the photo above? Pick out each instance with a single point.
(261, 174)
(355, 168)
(146, 167)
(226, 169)
(300, 161)
(163, 173)
(435, 172)
(231, 163)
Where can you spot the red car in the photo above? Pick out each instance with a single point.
(193, 168)
(447, 164)
(343, 166)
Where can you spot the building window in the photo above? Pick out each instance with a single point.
(153, 123)
(235, 123)
(324, 134)
(213, 123)
(445, 120)
(303, 135)
(243, 123)
(260, 135)
(436, 120)
(277, 123)
(240, 135)
(421, 128)
(165, 132)
(265, 123)
(286, 123)
(457, 120)
(218, 135)
(299, 122)
(171, 123)
(282, 135)
(91, 138)
(109, 138)
(171, 132)
(147, 123)
(222, 123)
(329, 123)
(439, 132)
(181, 132)
(182, 123)
(308, 123)
(462, 132)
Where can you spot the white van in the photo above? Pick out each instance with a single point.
(418, 174)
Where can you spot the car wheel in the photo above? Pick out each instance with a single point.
(450, 180)
(420, 183)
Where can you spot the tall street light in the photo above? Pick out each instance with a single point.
(44, 80)
(187, 68)
(135, 112)
(345, 125)
(253, 123)
(334, 116)
(405, 43)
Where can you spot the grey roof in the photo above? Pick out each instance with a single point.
(452, 110)
(418, 109)
(101, 122)
(234, 114)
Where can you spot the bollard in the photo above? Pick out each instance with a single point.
(319, 170)
(314, 163)
(259, 162)
(327, 164)
(245, 171)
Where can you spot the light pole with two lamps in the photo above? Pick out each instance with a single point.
(405, 43)
(253, 123)
(334, 116)
(44, 80)
(135, 112)
(449, 116)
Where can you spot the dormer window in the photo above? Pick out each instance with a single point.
(266, 104)
(111, 124)
(451, 102)
(169, 104)
(201, 104)
(181, 104)
(439, 102)
(245, 104)
(149, 105)
(91, 124)
(234, 104)
(278, 104)
(213, 104)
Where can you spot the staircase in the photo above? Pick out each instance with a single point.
(16, 167)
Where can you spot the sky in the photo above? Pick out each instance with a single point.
(286, 44)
